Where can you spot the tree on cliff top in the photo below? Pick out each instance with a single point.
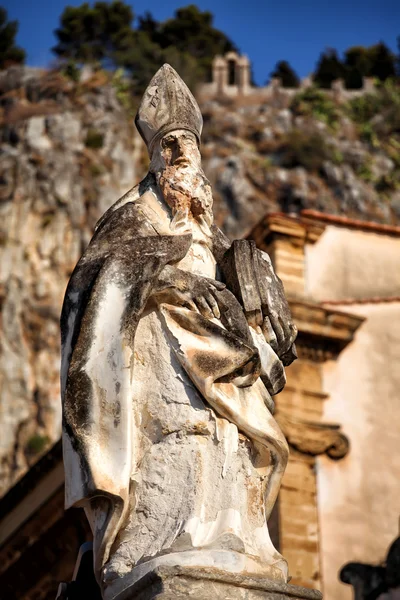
(192, 31)
(375, 61)
(188, 41)
(104, 34)
(9, 52)
(383, 62)
(286, 74)
(357, 61)
(329, 68)
(94, 34)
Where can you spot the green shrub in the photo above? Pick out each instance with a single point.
(316, 103)
(71, 70)
(337, 156)
(94, 139)
(365, 172)
(368, 134)
(37, 443)
(123, 89)
(266, 163)
(392, 148)
(389, 182)
(385, 103)
(389, 92)
(364, 108)
(305, 150)
(96, 170)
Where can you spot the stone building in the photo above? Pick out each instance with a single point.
(231, 78)
(339, 411)
(231, 74)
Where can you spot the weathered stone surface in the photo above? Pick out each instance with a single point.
(202, 584)
(172, 341)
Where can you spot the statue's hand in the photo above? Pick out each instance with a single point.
(183, 288)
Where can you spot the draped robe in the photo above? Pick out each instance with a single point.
(169, 441)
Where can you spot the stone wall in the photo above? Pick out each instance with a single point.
(352, 264)
(231, 77)
(302, 399)
(358, 496)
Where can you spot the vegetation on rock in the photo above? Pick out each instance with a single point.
(314, 102)
(308, 150)
(94, 139)
(378, 114)
(36, 444)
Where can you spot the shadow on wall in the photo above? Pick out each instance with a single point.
(371, 582)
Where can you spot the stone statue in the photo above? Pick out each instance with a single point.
(174, 339)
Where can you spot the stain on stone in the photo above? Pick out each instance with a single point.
(117, 413)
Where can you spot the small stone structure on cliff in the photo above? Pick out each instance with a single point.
(231, 77)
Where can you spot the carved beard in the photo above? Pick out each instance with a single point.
(188, 190)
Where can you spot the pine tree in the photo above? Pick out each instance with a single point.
(329, 68)
(357, 64)
(9, 52)
(149, 25)
(383, 62)
(376, 61)
(286, 74)
(191, 31)
(94, 34)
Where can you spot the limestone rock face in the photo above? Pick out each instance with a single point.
(60, 169)
(261, 157)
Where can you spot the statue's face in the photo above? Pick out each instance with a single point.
(178, 147)
(176, 163)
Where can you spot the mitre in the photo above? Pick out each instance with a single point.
(167, 104)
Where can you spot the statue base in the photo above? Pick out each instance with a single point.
(179, 583)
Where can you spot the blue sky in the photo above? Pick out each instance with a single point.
(293, 30)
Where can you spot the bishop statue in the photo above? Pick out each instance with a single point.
(174, 341)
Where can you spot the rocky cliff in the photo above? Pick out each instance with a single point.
(67, 153)
(68, 150)
(304, 153)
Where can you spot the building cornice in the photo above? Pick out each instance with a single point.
(313, 438)
(315, 217)
(278, 225)
(323, 331)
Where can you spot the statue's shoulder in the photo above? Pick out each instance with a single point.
(131, 196)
